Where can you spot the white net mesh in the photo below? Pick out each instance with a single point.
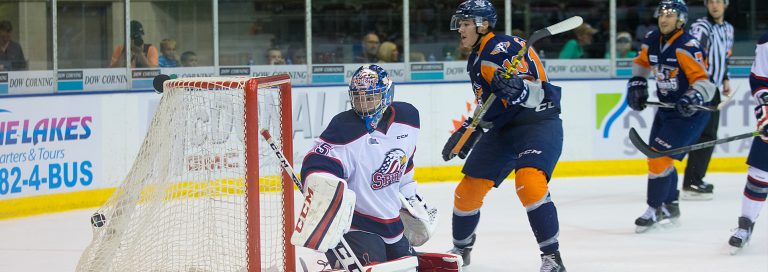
(182, 206)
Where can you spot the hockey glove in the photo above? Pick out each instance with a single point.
(512, 89)
(419, 219)
(454, 139)
(637, 93)
(685, 105)
(761, 113)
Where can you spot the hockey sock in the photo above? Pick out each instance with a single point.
(755, 193)
(660, 187)
(545, 225)
(673, 193)
(464, 224)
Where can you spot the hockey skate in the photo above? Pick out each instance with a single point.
(552, 263)
(700, 191)
(464, 251)
(666, 216)
(740, 237)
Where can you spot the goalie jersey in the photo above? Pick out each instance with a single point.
(377, 166)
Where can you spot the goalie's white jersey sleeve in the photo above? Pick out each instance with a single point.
(377, 166)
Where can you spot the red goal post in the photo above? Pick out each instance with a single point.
(204, 193)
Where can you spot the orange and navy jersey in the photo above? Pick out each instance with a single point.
(676, 64)
(498, 51)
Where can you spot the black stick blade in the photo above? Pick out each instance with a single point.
(644, 148)
(158, 82)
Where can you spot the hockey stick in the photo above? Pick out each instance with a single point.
(651, 153)
(727, 99)
(342, 251)
(672, 106)
(555, 29)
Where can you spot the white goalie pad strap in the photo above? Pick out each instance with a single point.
(326, 214)
(403, 264)
(419, 220)
(440, 262)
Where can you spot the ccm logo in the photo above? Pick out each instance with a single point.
(304, 210)
(529, 151)
(402, 136)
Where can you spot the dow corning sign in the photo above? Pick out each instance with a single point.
(608, 108)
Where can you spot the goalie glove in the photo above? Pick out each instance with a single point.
(419, 219)
(326, 214)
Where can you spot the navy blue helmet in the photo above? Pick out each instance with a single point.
(478, 10)
(673, 6)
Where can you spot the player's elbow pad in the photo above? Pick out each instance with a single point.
(706, 88)
(326, 214)
(535, 93)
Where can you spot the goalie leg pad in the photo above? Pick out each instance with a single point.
(531, 185)
(470, 193)
(326, 214)
(439, 262)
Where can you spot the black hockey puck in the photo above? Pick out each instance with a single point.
(98, 220)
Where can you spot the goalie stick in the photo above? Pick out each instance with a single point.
(342, 251)
(651, 153)
(555, 29)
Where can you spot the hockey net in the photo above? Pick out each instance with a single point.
(204, 193)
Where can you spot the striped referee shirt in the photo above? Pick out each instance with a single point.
(717, 42)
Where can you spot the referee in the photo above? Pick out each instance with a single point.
(716, 38)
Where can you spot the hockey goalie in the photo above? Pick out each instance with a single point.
(361, 204)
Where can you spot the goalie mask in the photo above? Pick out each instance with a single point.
(477, 10)
(370, 92)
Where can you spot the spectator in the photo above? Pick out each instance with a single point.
(623, 47)
(418, 57)
(275, 56)
(11, 55)
(388, 52)
(188, 59)
(299, 56)
(370, 49)
(142, 55)
(168, 51)
(574, 48)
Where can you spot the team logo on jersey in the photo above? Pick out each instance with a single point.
(666, 78)
(500, 47)
(693, 43)
(391, 170)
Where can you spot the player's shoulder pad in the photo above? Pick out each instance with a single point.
(652, 37)
(405, 113)
(763, 39)
(344, 128)
(503, 46)
(689, 43)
